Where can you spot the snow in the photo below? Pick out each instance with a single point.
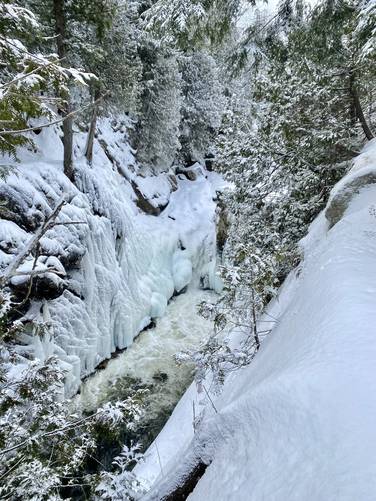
(11, 236)
(299, 421)
(122, 265)
(157, 196)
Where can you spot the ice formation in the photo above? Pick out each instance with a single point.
(118, 266)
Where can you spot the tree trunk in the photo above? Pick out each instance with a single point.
(68, 143)
(356, 108)
(60, 30)
(91, 134)
(181, 492)
(352, 110)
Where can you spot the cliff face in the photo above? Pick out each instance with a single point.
(107, 267)
(299, 421)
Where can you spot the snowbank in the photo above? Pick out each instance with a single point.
(120, 266)
(298, 423)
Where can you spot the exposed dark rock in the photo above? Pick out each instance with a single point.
(176, 293)
(72, 257)
(150, 325)
(341, 200)
(145, 204)
(46, 286)
(17, 208)
(160, 376)
(173, 182)
(192, 172)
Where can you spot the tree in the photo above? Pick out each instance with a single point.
(27, 78)
(202, 106)
(157, 131)
(122, 42)
(121, 83)
(76, 27)
(287, 138)
(61, 42)
(192, 23)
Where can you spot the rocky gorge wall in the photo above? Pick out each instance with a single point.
(106, 268)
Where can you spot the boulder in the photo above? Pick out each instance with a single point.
(341, 199)
(145, 204)
(192, 173)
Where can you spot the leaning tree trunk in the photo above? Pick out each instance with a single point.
(60, 30)
(91, 134)
(356, 108)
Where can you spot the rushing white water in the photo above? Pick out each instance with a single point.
(150, 359)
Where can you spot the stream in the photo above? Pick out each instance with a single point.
(149, 364)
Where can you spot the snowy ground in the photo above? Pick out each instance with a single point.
(299, 422)
(119, 266)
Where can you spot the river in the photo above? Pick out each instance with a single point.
(149, 363)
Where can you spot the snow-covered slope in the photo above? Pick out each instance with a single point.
(117, 266)
(299, 422)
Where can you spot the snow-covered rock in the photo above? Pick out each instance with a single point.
(299, 422)
(114, 266)
(362, 174)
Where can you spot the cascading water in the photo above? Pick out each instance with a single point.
(149, 363)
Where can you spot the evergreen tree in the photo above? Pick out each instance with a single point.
(76, 27)
(288, 139)
(192, 23)
(158, 128)
(122, 43)
(28, 77)
(202, 106)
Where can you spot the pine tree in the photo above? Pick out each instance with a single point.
(76, 27)
(158, 129)
(202, 107)
(28, 78)
(288, 137)
(192, 23)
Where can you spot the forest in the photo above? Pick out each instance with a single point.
(187, 250)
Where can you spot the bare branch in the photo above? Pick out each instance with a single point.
(34, 272)
(11, 269)
(60, 120)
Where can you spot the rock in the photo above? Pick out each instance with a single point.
(173, 182)
(191, 173)
(160, 376)
(72, 256)
(145, 204)
(46, 286)
(17, 207)
(341, 200)
(49, 283)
